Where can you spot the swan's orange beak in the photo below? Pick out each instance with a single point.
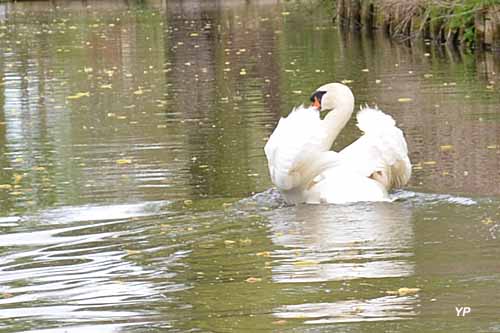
(316, 104)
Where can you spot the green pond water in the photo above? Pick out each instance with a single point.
(134, 194)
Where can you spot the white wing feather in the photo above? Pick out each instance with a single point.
(296, 151)
(381, 152)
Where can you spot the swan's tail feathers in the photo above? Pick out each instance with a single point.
(381, 153)
(373, 119)
(400, 172)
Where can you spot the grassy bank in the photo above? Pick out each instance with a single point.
(470, 23)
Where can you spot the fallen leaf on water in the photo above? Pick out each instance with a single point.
(188, 202)
(123, 161)
(253, 280)
(79, 95)
(229, 242)
(446, 147)
(17, 178)
(487, 221)
(492, 147)
(263, 254)
(430, 162)
(285, 13)
(106, 86)
(346, 81)
(404, 99)
(403, 291)
(245, 241)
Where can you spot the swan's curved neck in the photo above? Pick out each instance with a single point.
(336, 119)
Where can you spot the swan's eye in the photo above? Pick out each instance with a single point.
(317, 95)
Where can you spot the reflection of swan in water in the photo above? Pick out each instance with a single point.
(328, 243)
(344, 242)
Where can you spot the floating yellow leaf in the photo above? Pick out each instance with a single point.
(17, 178)
(492, 147)
(285, 13)
(106, 86)
(366, 70)
(404, 99)
(245, 241)
(229, 242)
(263, 254)
(346, 81)
(123, 161)
(253, 280)
(403, 291)
(430, 162)
(79, 95)
(487, 221)
(139, 91)
(446, 147)
(188, 202)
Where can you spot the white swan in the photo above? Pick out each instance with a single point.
(304, 169)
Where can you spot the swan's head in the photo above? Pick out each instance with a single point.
(332, 96)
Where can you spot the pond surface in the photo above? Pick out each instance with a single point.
(134, 194)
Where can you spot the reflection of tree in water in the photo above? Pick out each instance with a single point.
(221, 64)
(451, 123)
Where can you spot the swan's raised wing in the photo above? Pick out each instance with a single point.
(297, 150)
(381, 153)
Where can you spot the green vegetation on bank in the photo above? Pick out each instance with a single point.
(471, 23)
